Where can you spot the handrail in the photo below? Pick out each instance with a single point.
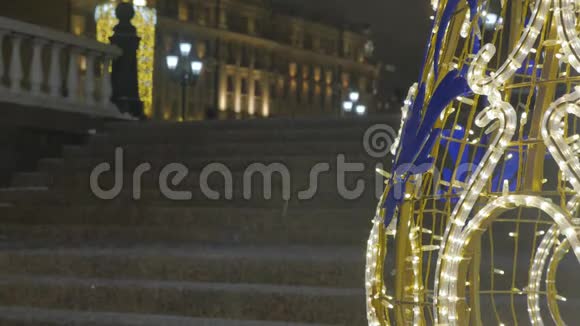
(54, 35)
(66, 72)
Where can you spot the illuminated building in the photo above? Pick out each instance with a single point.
(259, 60)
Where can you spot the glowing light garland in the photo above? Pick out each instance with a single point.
(145, 20)
(404, 112)
(376, 245)
(452, 256)
(506, 116)
(374, 297)
(482, 84)
(565, 14)
(553, 297)
(504, 113)
(485, 216)
(536, 273)
(563, 149)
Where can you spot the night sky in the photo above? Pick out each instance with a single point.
(400, 29)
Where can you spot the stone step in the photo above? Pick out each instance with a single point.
(183, 152)
(32, 179)
(279, 235)
(135, 214)
(234, 163)
(141, 222)
(205, 300)
(204, 136)
(266, 124)
(295, 181)
(330, 266)
(69, 258)
(29, 316)
(70, 197)
(50, 164)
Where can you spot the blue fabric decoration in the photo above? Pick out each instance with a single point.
(529, 69)
(439, 41)
(507, 171)
(445, 20)
(418, 136)
(426, 54)
(472, 7)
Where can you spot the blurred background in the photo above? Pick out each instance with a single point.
(309, 54)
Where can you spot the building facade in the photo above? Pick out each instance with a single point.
(260, 60)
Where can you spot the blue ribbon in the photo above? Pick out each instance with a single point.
(444, 24)
(419, 135)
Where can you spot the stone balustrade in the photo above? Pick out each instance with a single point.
(46, 68)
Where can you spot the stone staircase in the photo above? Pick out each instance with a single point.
(70, 258)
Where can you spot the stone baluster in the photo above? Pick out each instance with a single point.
(43, 68)
(55, 72)
(106, 90)
(90, 79)
(36, 75)
(72, 79)
(222, 17)
(266, 96)
(2, 36)
(15, 73)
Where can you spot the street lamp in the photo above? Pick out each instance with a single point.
(354, 96)
(185, 69)
(354, 104)
(347, 106)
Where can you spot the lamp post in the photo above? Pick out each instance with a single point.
(353, 104)
(124, 74)
(185, 69)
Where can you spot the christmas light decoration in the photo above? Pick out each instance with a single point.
(448, 210)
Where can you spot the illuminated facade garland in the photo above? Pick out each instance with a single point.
(145, 20)
(487, 195)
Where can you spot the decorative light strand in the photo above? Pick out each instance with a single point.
(564, 11)
(552, 292)
(404, 112)
(480, 82)
(487, 86)
(506, 118)
(373, 278)
(484, 217)
(416, 260)
(562, 152)
(536, 272)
